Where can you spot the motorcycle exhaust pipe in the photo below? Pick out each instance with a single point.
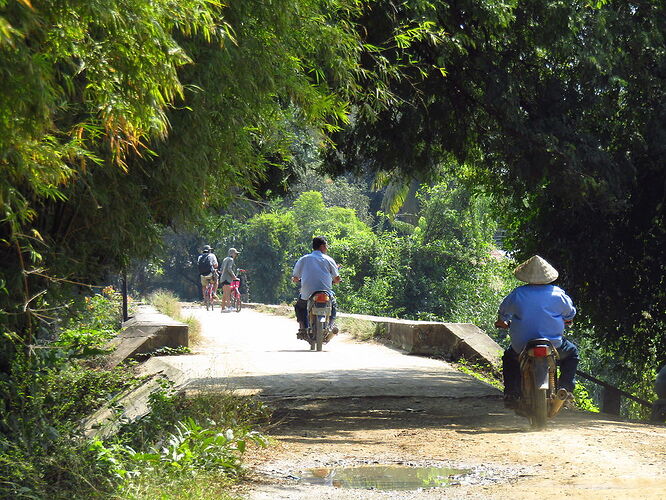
(557, 401)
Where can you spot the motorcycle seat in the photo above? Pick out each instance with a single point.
(536, 342)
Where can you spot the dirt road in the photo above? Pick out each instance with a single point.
(361, 404)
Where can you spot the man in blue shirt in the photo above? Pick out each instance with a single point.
(536, 310)
(315, 271)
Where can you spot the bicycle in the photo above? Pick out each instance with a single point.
(209, 296)
(235, 298)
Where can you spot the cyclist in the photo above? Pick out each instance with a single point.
(227, 275)
(207, 263)
(315, 271)
(538, 309)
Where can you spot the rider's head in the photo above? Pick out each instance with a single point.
(233, 252)
(318, 241)
(536, 271)
(207, 249)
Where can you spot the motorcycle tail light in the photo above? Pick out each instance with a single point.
(321, 297)
(540, 351)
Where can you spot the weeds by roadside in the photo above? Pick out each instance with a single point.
(44, 395)
(278, 310)
(359, 329)
(493, 377)
(191, 446)
(167, 303)
(480, 372)
(186, 447)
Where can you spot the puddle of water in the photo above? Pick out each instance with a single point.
(383, 477)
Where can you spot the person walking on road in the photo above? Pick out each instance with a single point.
(207, 264)
(227, 275)
(315, 271)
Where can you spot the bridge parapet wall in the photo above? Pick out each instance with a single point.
(146, 331)
(451, 340)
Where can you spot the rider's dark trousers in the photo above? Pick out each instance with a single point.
(301, 310)
(568, 363)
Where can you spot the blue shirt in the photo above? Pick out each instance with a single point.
(536, 311)
(316, 271)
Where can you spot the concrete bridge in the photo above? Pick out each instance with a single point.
(358, 404)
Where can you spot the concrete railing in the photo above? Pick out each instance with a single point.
(146, 331)
(450, 340)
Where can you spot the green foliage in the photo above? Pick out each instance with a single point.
(268, 243)
(192, 448)
(443, 268)
(341, 192)
(483, 292)
(43, 456)
(583, 399)
(564, 125)
(101, 104)
(40, 407)
(185, 439)
(95, 322)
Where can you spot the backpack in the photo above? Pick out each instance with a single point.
(205, 267)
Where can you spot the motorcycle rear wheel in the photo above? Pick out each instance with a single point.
(319, 334)
(539, 408)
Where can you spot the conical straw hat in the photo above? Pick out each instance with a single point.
(536, 271)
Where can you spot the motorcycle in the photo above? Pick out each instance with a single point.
(319, 310)
(539, 399)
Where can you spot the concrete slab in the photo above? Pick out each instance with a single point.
(135, 403)
(451, 340)
(146, 331)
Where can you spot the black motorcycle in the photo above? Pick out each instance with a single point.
(320, 308)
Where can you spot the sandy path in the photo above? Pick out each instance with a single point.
(359, 404)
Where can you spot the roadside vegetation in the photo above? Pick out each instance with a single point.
(440, 263)
(360, 330)
(190, 445)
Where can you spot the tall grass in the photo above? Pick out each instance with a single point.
(167, 303)
(360, 329)
(277, 310)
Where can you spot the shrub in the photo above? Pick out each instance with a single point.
(41, 404)
(93, 322)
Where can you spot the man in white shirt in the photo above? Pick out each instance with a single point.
(315, 271)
